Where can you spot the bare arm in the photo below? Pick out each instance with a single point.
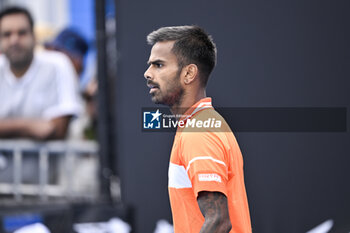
(214, 208)
(38, 129)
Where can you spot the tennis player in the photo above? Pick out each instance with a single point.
(206, 182)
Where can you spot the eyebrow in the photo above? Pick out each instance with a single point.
(155, 62)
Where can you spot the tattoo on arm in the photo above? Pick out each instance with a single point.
(214, 208)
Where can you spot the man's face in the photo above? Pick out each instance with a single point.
(16, 39)
(163, 75)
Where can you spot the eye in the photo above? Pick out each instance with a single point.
(157, 64)
(23, 32)
(5, 34)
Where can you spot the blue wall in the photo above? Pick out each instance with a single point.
(82, 17)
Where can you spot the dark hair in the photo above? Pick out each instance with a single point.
(18, 10)
(192, 46)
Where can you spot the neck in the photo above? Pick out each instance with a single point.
(19, 72)
(188, 101)
(19, 69)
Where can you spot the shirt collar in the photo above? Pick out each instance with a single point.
(25, 79)
(197, 107)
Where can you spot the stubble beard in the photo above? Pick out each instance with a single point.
(20, 63)
(173, 93)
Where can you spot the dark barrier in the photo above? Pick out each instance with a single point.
(58, 218)
(61, 218)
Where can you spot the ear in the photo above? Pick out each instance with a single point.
(191, 73)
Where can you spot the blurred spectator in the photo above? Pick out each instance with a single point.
(38, 90)
(73, 44)
(70, 42)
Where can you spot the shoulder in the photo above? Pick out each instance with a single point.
(212, 114)
(57, 63)
(207, 122)
(210, 129)
(52, 58)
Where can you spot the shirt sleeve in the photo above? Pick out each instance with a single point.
(68, 98)
(204, 156)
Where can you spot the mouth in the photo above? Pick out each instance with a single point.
(15, 49)
(15, 52)
(152, 87)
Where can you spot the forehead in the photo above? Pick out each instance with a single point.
(162, 51)
(14, 21)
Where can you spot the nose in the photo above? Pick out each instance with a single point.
(148, 74)
(14, 38)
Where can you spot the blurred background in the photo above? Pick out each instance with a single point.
(270, 54)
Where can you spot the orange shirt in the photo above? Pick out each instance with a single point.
(206, 159)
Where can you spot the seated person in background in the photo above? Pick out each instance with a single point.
(70, 42)
(38, 90)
